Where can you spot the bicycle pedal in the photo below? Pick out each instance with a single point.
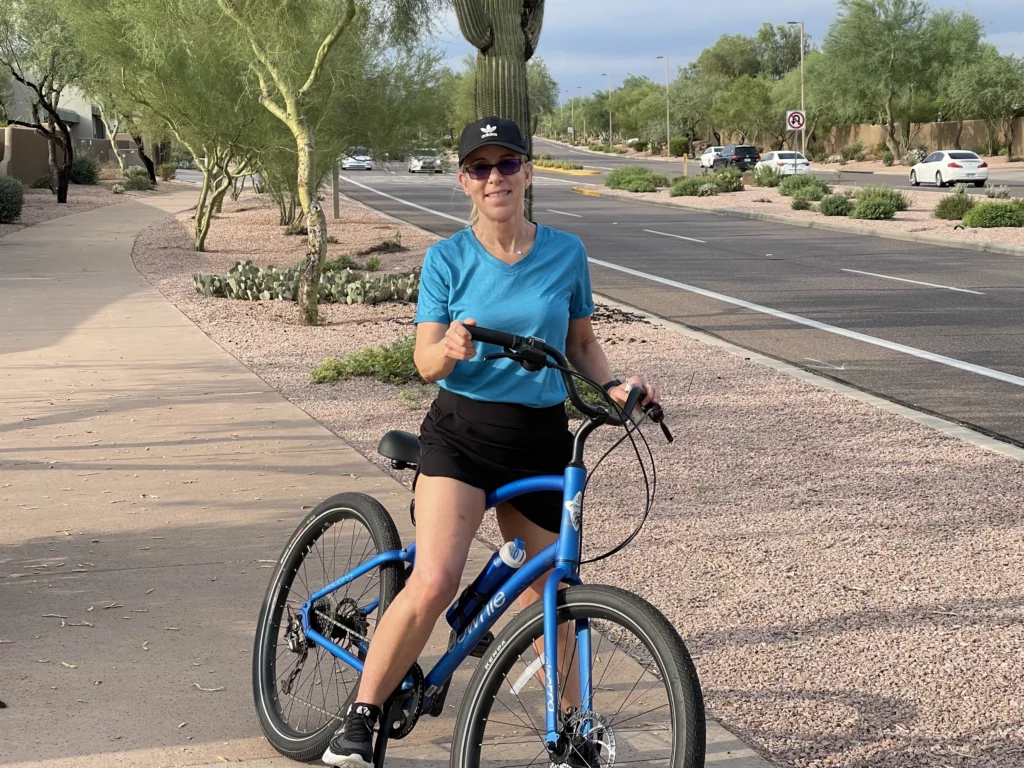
(483, 645)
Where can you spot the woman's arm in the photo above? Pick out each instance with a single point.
(586, 355)
(440, 346)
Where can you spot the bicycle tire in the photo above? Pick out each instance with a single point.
(600, 603)
(364, 511)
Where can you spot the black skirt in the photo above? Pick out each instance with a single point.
(487, 445)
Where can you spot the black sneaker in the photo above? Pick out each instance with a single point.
(352, 745)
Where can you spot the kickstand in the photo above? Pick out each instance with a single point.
(391, 710)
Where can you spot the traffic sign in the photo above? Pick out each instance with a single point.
(796, 120)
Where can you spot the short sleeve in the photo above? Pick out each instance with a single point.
(581, 302)
(435, 282)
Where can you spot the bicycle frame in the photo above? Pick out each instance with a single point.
(561, 558)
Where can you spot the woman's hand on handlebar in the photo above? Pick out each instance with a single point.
(458, 344)
(620, 393)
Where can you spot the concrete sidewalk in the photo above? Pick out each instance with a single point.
(147, 482)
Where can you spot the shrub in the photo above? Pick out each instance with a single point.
(763, 200)
(954, 207)
(995, 215)
(854, 151)
(709, 189)
(806, 185)
(43, 182)
(641, 146)
(117, 189)
(800, 203)
(873, 209)
(392, 244)
(606, 148)
(563, 165)
(688, 187)
(915, 156)
(1001, 192)
(372, 264)
(85, 169)
(729, 180)
(166, 171)
(882, 147)
(766, 176)
(893, 196)
(1004, 152)
(679, 146)
(342, 262)
(544, 156)
(12, 196)
(636, 176)
(137, 179)
(392, 364)
(835, 205)
(888, 160)
(821, 157)
(296, 228)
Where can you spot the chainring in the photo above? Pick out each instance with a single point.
(411, 705)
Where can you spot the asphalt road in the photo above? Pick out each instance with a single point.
(834, 174)
(939, 329)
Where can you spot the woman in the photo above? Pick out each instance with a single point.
(492, 422)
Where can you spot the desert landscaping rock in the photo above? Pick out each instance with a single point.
(849, 581)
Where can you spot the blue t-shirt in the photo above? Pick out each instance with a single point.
(536, 296)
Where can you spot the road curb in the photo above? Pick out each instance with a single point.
(984, 247)
(567, 171)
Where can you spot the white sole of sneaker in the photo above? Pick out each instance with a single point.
(345, 761)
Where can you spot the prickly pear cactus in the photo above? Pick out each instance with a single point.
(506, 33)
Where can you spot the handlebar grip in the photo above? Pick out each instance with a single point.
(636, 393)
(488, 336)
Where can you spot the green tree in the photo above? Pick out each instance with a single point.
(990, 88)
(39, 51)
(731, 56)
(747, 108)
(778, 49)
(542, 88)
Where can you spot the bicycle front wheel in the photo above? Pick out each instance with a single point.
(645, 708)
(301, 690)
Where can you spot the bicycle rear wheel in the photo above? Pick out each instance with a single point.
(646, 706)
(301, 690)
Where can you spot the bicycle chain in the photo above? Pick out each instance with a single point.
(347, 629)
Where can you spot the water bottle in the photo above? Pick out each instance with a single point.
(502, 564)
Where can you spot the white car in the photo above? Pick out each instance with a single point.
(786, 163)
(426, 161)
(950, 167)
(707, 158)
(356, 159)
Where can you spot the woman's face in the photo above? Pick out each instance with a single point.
(497, 197)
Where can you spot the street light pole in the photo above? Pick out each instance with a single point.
(583, 90)
(668, 117)
(803, 131)
(608, 75)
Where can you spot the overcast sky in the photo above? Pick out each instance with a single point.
(583, 38)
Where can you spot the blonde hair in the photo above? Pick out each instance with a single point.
(474, 213)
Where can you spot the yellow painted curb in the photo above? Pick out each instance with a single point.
(588, 192)
(571, 173)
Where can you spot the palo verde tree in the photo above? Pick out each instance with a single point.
(290, 43)
(505, 34)
(40, 53)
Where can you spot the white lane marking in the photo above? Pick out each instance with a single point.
(26, 278)
(678, 237)
(916, 282)
(827, 365)
(991, 373)
(563, 213)
(403, 202)
(599, 167)
(912, 351)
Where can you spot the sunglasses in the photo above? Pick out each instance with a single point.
(510, 166)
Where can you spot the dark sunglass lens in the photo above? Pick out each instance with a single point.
(509, 166)
(479, 171)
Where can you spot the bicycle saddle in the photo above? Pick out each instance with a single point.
(402, 448)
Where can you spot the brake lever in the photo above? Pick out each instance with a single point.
(657, 415)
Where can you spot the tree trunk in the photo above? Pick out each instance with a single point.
(959, 133)
(316, 224)
(52, 162)
(237, 188)
(112, 138)
(137, 138)
(199, 237)
(64, 172)
(890, 129)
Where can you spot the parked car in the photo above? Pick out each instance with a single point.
(707, 158)
(950, 167)
(426, 161)
(786, 163)
(356, 159)
(741, 156)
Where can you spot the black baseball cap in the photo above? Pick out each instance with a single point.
(491, 131)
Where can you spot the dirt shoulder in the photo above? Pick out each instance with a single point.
(848, 580)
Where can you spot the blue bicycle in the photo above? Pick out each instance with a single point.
(590, 676)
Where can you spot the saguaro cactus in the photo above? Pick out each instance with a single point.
(506, 33)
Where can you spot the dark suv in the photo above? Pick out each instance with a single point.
(741, 156)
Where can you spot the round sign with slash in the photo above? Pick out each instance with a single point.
(796, 120)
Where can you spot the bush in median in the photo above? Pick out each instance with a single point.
(806, 185)
(766, 176)
(954, 207)
(892, 196)
(729, 180)
(995, 215)
(636, 178)
(800, 203)
(688, 187)
(874, 209)
(679, 146)
(835, 205)
(12, 196)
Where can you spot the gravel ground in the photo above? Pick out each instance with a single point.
(849, 582)
(41, 205)
(918, 218)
